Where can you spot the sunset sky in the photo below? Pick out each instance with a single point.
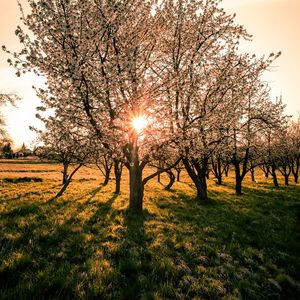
(274, 25)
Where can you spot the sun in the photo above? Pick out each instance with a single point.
(139, 123)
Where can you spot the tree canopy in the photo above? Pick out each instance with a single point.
(175, 63)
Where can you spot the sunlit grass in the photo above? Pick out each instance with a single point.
(85, 245)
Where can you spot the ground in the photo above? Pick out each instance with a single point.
(85, 245)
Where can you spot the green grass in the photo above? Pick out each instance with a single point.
(85, 245)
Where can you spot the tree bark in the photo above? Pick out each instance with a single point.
(178, 174)
(238, 186)
(106, 176)
(274, 176)
(62, 190)
(252, 175)
(136, 181)
(238, 179)
(226, 169)
(286, 179)
(107, 166)
(295, 169)
(207, 174)
(217, 169)
(65, 173)
(198, 179)
(135, 178)
(171, 180)
(285, 170)
(238, 176)
(158, 176)
(266, 170)
(118, 166)
(136, 189)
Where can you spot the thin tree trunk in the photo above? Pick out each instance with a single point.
(158, 176)
(207, 174)
(198, 180)
(274, 176)
(65, 173)
(171, 180)
(106, 176)
(226, 169)
(286, 179)
(135, 180)
(118, 166)
(285, 171)
(219, 179)
(62, 190)
(107, 166)
(266, 170)
(217, 168)
(295, 169)
(252, 175)
(238, 179)
(296, 178)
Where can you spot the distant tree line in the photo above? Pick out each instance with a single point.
(6, 151)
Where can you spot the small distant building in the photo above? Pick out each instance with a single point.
(23, 152)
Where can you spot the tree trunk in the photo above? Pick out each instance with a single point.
(107, 166)
(274, 176)
(207, 174)
(158, 176)
(296, 177)
(136, 189)
(226, 170)
(218, 170)
(286, 179)
(252, 175)
(238, 177)
(285, 170)
(295, 169)
(118, 174)
(219, 179)
(62, 190)
(266, 170)
(172, 180)
(135, 180)
(202, 192)
(178, 174)
(198, 179)
(106, 176)
(65, 173)
(238, 186)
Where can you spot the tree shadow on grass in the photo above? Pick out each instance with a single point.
(254, 234)
(133, 259)
(53, 256)
(91, 195)
(101, 212)
(31, 193)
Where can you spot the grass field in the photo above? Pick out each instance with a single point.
(85, 245)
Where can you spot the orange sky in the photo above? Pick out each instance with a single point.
(274, 24)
